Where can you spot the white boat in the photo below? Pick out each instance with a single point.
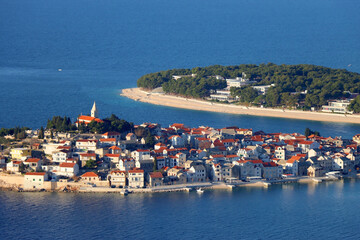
(199, 190)
(59, 69)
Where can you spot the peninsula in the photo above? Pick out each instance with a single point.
(306, 92)
(113, 155)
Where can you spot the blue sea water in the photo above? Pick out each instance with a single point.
(293, 211)
(104, 46)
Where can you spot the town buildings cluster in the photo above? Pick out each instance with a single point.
(178, 155)
(181, 155)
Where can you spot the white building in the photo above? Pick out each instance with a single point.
(67, 170)
(263, 89)
(87, 144)
(141, 154)
(34, 180)
(136, 178)
(60, 156)
(337, 106)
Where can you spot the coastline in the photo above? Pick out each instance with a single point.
(14, 183)
(179, 102)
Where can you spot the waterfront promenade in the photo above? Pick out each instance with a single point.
(179, 102)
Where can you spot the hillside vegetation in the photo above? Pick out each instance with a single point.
(321, 83)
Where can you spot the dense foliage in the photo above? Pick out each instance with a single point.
(309, 132)
(245, 94)
(355, 105)
(110, 124)
(154, 80)
(321, 83)
(197, 87)
(18, 132)
(61, 124)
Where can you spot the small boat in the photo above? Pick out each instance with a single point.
(125, 192)
(199, 190)
(59, 69)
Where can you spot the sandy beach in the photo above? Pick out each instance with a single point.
(179, 102)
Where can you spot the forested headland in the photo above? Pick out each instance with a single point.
(293, 85)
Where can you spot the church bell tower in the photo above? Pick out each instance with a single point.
(94, 112)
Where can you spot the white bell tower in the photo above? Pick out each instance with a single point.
(94, 112)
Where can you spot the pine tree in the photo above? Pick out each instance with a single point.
(41, 134)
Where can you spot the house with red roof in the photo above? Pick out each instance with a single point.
(155, 179)
(107, 142)
(117, 179)
(35, 180)
(307, 145)
(141, 154)
(84, 157)
(136, 178)
(244, 131)
(217, 157)
(86, 120)
(33, 163)
(232, 158)
(159, 146)
(115, 135)
(67, 170)
(230, 142)
(272, 170)
(112, 158)
(177, 126)
(131, 137)
(220, 172)
(114, 150)
(196, 173)
(177, 141)
(249, 168)
(14, 166)
(61, 155)
(125, 164)
(90, 177)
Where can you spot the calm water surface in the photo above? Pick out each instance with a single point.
(294, 211)
(104, 46)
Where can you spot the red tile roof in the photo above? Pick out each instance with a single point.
(33, 160)
(67, 165)
(108, 140)
(136, 170)
(112, 155)
(111, 134)
(89, 174)
(36, 173)
(156, 175)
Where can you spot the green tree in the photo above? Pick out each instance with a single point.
(355, 105)
(41, 133)
(155, 165)
(90, 164)
(150, 140)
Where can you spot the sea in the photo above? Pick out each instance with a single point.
(292, 211)
(59, 56)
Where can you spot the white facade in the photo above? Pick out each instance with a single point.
(34, 180)
(87, 144)
(337, 106)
